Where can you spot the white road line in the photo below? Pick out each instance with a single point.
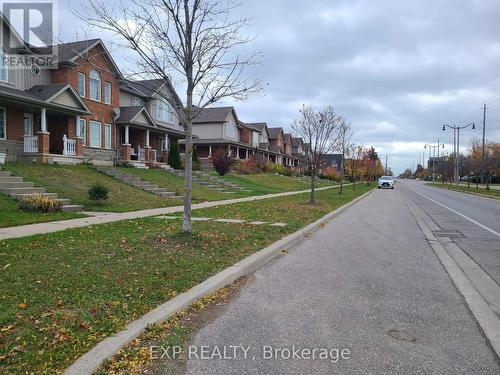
(462, 215)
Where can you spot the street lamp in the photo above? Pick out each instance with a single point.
(456, 145)
(433, 147)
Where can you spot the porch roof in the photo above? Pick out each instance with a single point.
(221, 141)
(138, 116)
(62, 97)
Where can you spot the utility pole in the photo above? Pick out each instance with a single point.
(386, 165)
(456, 145)
(484, 133)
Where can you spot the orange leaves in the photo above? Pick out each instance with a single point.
(22, 305)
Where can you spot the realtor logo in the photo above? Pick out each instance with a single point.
(27, 34)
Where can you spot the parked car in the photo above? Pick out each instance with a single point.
(386, 182)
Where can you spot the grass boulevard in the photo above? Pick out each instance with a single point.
(66, 291)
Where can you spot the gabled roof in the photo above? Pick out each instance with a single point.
(131, 115)
(213, 114)
(258, 126)
(147, 88)
(296, 142)
(57, 96)
(288, 138)
(69, 52)
(332, 159)
(274, 132)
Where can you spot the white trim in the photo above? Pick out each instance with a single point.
(32, 124)
(90, 134)
(107, 84)
(110, 135)
(99, 86)
(2, 53)
(84, 84)
(83, 134)
(4, 123)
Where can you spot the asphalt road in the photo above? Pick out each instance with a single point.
(475, 219)
(368, 283)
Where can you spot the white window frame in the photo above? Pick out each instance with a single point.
(164, 112)
(98, 99)
(5, 67)
(84, 87)
(4, 122)
(29, 116)
(136, 101)
(91, 122)
(107, 141)
(107, 99)
(83, 131)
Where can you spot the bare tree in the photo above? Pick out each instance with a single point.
(319, 130)
(195, 40)
(345, 135)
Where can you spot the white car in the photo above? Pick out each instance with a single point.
(386, 182)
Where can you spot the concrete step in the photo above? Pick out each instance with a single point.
(166, 193)
(65, 202)
(10, 179)
(26, 195)
(16, 184)
(72, 208)
(22, 190)
(5, 173)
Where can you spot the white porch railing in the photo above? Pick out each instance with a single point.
(141, 154)
(31, 143)
(69, 146)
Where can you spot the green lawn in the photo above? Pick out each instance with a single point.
(64, 292)
(176, 183)
(73, 182)
(265, 183)
(472, 190)
(10, 215)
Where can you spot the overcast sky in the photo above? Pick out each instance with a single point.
(397, 70)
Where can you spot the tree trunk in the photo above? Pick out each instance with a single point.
(342, 174)
(188, 164)
(313, 187)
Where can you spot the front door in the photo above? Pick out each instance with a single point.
(28, 124)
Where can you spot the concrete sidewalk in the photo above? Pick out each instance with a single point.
(109, 217)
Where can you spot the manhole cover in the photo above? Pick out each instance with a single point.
(448, 233)
(402, 335)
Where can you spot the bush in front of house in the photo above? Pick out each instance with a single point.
(40, 203)
(222, 161)
(247, 166)
(278, 168)
(331, 174)
(98, 192)
(196, 160)
(174, 156)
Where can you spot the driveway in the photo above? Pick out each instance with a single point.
(367, 284)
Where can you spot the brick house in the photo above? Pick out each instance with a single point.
(277, 144)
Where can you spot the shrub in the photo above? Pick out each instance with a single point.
(247, 166)
(98, 192)
(331, 174)
(174, 156)
(278, 168)
(196, 161)
(39, 203)
(222, 161)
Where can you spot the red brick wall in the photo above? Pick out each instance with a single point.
(245, 136)
(15, 124)
(101, 112)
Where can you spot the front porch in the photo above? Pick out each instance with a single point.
(142, 145)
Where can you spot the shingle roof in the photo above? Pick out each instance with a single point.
(288, 138)
(127, 114)
(274, 132)
(147, 87)
(47, 91)
(68, 51)
(332, 159)
(210, 115)
(259, 126)
(275, 148)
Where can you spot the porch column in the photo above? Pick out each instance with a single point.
(79, 138)
(126, 135)
(229, 151)
(209, 150)
(164, 152)
(43, 120)
(246, 153)
(237, 152)
(147, 138)
(167, 142)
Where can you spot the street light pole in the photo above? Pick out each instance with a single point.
(433, 148)
(456, 145)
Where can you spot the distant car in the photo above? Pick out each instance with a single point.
(386, 182)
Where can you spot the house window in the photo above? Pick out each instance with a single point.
(83, 131)
(107, 92)
(230, 130)
(3, 131)
(107, 135)
(95, 134)
(81, 84)
(3, 66)
(164, 112)
(95, 85)
(137, 101)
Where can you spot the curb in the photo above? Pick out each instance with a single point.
(466, 192)
(93, 359)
